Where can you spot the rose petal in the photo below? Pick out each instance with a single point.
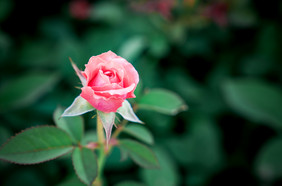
(123, 91)
(100, 80)
(107, 56)
(104, 104)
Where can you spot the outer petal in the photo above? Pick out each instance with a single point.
(103, 104)
(107, 56)
(119, 92)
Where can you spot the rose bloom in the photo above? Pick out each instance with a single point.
(110, 79)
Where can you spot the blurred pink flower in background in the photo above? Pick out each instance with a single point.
(217, 12)
(79, 9)
(163, 7)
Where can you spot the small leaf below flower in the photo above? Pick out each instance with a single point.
(139, 153)
(127, 112)
(78, 107)
(140, 132)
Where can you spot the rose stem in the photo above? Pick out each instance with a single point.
(101, 153)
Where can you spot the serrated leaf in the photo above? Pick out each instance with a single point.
(74, 126)
(268, 163)
(78, 107)
(163, 101)
(127, 112)
(107, 120)
(255, 100)
(139, 153)
(140, 132)
(36, 145)
(26, 89)
(85, 164)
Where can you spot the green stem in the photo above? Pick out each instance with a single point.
(101, 152)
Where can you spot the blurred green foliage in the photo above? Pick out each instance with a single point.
(222, 57)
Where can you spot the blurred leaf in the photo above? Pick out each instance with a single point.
(4, 134)
(78, 107)
(107, 12)
(139, 90)
(97, 40)
(5, 8)
(129, 183)
(267, 45)
(37, 53)
(56, 28)
(190, 90)
(5, 46)
(268, 163)
(139, 153)
(140, 132)
(74, 126)
(85, 164)
(24, 177)
(25, 90)
(256, 65)
(115, 161)
(159, 124)
(205, 134)
(163, 101)
(158, 45)
(166, 175)
(71, 181)
(36, 145)
(132, 48)
(127, 112)
(255, 100)
(197, 45)
(89, 136)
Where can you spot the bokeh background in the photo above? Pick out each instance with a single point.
(223, 57)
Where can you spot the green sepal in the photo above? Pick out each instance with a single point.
(78, 107)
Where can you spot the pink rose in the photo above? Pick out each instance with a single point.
(110, 79)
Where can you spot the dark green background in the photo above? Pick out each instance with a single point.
(228, 74)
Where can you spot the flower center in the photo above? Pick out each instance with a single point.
(108, 73)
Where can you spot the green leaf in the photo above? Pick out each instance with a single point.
(268, 164)
(78, 107)
(36, 145)
(89, 136)
(127, 112)
(140, 132)
(26, 89)
(166, 175)
(162, 101)
(204, 133)
(132, 48)
(256, 100)
(139, 153)
(129, 183)
(85, 164)
(71, 181)
(74, 126)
